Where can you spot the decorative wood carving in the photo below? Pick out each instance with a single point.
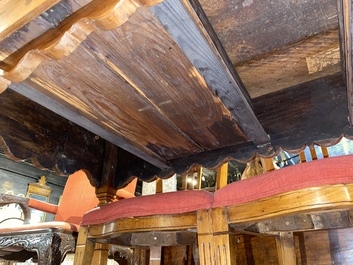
(6, 199)
(50, 246)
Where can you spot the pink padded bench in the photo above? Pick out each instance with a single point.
(315, 186)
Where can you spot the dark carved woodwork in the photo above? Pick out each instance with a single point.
(50, 245)
(6, 199)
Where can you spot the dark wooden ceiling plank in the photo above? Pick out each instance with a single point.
(292, 124)
(67, 113)
(30, 131)
(107, 99)
(189, 33)
(250, 29)
(160, 73)
(346, 35)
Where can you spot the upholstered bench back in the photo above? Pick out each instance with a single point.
(328, 171)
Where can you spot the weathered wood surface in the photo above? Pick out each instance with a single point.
(250, 28)
(15, 14)
(30, 131)
(26, 25)
(346, 35)
(159, 108)
(307, 130)
(294, 118)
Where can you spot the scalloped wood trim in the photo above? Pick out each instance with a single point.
(4, 83)
(62, 41)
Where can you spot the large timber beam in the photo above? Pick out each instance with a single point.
(30, 131)
(15, 14)
(345, 24)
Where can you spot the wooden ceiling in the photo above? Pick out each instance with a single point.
(171, 83)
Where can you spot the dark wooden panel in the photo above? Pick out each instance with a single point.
(30, 131)
(249, 28)
(310, 113)
(314, 112)
(346, 35)
(146, 58)
(107, 99)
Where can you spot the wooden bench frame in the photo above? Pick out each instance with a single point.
(253, 217)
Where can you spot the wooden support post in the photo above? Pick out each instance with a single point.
(222, 176)
(140, 255)
(324, 152)
(313, 153)
(155, 255)
(199, 178)
(205, 237)
(267, 164)
(302, 157)
(159, 185)
(223, 238)
(285, 248)
(106, 192)
(84, 248)
(100, 256)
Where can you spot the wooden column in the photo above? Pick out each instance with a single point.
(285, 248)
(205, 237)
(155, 255)
(100, 256)
(267, 164)
(223, 239)
(222, 176)
(140, 255)
(106, 192)
(84, 248)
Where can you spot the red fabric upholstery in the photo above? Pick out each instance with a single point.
(78, 197)
(328, 171)
(162, 203)
(43, 206)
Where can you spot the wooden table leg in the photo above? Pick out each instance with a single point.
(285, 248)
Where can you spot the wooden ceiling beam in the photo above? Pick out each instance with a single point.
(56, 107)
(345, 24)
(16, 13)
(189, 27)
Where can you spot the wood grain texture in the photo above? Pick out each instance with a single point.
(293, 118)
(15, 14)
(144, 224)
(31, 131)
(249, 29)
(141, 111)
(63, 40)
(316, 199)
(346, 36)
(32, 29)
(191, 34)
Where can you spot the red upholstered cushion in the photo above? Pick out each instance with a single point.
(335, 170)
(162, 203)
